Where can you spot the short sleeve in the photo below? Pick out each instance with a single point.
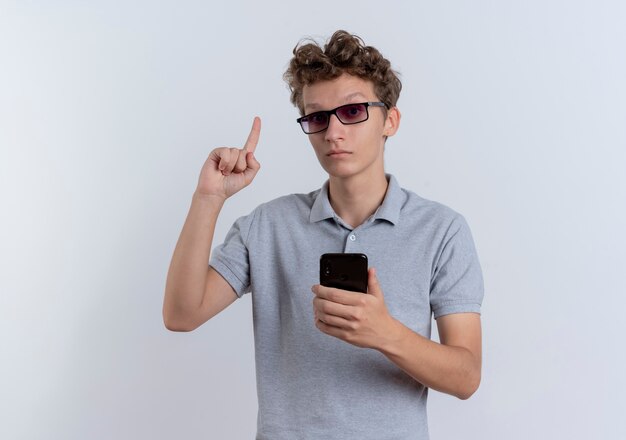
(457, 281)
(231, 258)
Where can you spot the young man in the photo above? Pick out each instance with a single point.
(332, 363)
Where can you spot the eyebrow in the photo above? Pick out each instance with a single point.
(315, 106)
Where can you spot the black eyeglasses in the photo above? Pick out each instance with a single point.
(347, 114)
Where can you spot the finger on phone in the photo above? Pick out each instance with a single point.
(253, 137)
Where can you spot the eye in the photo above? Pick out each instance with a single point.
(317, 118)
(352, 112)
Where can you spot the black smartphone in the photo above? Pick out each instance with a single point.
(344, 271)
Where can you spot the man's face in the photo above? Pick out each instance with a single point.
(349, 150)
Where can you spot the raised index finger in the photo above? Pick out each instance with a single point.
(253, 137)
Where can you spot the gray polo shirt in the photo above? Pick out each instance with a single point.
(311, 385)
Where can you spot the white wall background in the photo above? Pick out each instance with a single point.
(514, 114)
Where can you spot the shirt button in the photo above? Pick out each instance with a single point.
(352, 237)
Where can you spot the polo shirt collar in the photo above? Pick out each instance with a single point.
(389, 210)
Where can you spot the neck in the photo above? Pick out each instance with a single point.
(355, 199)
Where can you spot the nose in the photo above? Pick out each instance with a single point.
(335, 129)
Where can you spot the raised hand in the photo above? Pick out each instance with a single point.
(228, 170)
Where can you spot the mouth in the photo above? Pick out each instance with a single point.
(338, 153)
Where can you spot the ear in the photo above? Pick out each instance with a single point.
(392, 123)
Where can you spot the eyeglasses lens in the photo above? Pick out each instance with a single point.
(315, 122)
(352, 113)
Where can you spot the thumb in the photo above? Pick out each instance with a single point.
(373, 287)
(252, 168)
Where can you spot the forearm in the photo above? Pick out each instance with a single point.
(188, 269)
(451, 370)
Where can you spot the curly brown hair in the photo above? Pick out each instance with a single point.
(343, 53)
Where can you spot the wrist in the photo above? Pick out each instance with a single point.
(208, 199)
(394, 335)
